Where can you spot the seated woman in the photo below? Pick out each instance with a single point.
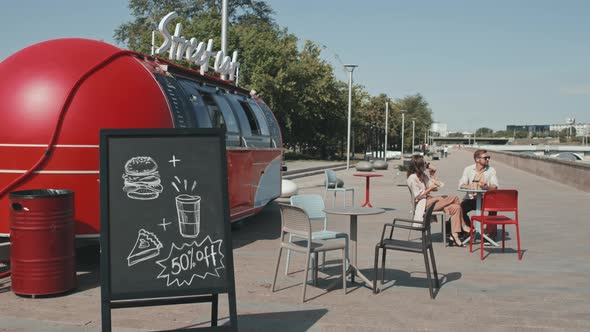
(422, 186)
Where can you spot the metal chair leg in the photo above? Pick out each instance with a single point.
(334, 200)
(288, 260)
(376, 269)
(347, 250)
(518, 242)
(481, 232)
(433, 262)
(274, 280)
(305, 277)
(344, 270)
(383, 266)
(314, 269)
(427, 269)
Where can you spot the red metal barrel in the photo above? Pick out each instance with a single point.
(42, 252)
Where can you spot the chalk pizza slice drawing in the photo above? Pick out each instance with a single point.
(146, 246)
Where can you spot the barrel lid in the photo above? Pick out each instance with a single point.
(41, 193)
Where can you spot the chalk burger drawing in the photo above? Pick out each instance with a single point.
(142, 179)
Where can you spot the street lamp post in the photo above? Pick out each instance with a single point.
(224, 31)
(350, 68)
(403, 117)
(386, 118)
(413, 132)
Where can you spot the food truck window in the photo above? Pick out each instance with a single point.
(252, 120)
(199, 107)
(178, 101)
(251, 128)
(220, 113)
(259, 117)
(273, 126)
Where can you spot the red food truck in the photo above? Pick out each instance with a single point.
(55, 96)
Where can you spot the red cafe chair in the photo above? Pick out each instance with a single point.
(498, 201)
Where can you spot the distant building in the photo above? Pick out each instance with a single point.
(528, 128)
(440, 128)
(582, 129)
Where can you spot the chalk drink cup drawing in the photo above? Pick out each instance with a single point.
(189, 215)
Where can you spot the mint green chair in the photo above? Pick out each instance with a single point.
(332, 185)
(314, 206)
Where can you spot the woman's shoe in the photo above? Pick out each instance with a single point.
(453, 242)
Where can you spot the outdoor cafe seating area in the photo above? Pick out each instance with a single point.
(305, 229)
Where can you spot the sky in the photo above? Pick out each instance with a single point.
(477, 63)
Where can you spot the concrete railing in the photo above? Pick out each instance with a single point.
(571, 173)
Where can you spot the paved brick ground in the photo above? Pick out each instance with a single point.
(548, 290)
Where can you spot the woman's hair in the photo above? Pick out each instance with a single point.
(417, 166)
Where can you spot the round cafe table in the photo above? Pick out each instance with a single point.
(478, 198)
(368, 185)
(354, 212)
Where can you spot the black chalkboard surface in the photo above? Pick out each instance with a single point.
(165, 228)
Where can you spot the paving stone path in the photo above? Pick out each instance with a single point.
(548, 290)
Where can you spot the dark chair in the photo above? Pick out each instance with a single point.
(409, 246)
(497, 201)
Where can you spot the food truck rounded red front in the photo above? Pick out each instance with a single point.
(73, 88)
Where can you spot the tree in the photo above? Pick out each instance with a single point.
(417, 108)
(457, 134)
(299, 86)
(310, 104)
(195, 16)
(502, 133)
(484, 132)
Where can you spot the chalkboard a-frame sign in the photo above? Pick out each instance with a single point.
(165, 229)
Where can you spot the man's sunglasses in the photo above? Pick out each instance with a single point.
(486, 158)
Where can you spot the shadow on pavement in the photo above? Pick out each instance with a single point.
(88, 267)
(265, 225)
(275, 321)
(493, 251)
(409, 279)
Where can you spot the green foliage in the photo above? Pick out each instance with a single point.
(418, 109)
(455, 135)
(310, 104)
(568, 132)
(484, 132)
(502, 133)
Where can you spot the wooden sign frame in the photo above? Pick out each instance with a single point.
(110, 300)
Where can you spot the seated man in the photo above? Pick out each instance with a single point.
(478, 176)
